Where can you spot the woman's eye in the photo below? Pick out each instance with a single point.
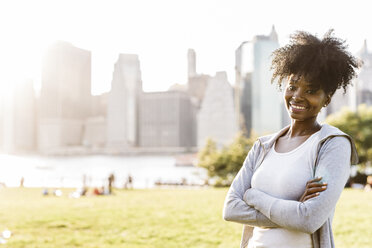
(291, 88)
(311, 91)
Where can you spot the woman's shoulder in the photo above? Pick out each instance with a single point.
(329, 130)
(336, 141)
(332, 137)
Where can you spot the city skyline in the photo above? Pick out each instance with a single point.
(160, 33)
(67, 119)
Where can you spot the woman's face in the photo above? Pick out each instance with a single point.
(304, 100)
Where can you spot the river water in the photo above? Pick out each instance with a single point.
(39, 171)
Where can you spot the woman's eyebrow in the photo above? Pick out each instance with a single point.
(292, 80)
(312, 85)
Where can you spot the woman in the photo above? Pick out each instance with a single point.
(286, 191)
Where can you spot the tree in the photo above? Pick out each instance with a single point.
(359, 126)
(223, 164)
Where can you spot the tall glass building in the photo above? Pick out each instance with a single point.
(259, 103)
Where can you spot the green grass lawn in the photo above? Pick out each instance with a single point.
(159, 218)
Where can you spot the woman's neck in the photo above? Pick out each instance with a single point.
(299, 128)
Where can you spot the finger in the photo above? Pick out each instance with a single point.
(315, 190)
(311, 196)
(312, 185)
(317, 179)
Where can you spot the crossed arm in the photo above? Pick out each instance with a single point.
(235, 208)
(250, 206)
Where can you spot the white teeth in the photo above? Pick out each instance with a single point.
(297, 107)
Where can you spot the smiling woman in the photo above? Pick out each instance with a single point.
(286, 191)
(304, 100)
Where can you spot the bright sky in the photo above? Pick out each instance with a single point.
(161, 31)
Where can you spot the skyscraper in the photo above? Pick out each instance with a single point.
(25, 116)
(216, 117)
(123, 103)
(191, 63)
(242, 92)
(65, 96)
(19, 123)
(364, 80)
(259, 103)
(196, 83)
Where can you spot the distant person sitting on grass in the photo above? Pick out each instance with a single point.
(79, 192)
(286, 191)
(368, 186)
(57, 192)
(45, 192)
(101, 191)
(96, 191)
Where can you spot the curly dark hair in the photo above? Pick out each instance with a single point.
(325, 63)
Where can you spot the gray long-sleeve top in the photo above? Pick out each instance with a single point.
(243, 204)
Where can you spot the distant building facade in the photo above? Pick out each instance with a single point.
(196, 83)
(216, 117)
(123, 103)
(243, 91)
(191, 63)
(19, 119)
(95, 131)
(364, 80)
(99, 104)
(64, 101)
(167, 119)
(259, 103)
(360, 92)
(340, 100)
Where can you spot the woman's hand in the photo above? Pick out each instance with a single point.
(313, 189)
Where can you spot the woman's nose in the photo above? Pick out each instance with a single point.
(297, 95)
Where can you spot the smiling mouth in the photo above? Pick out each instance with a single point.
(297, 107)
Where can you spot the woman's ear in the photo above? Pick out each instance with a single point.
(328, 100)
